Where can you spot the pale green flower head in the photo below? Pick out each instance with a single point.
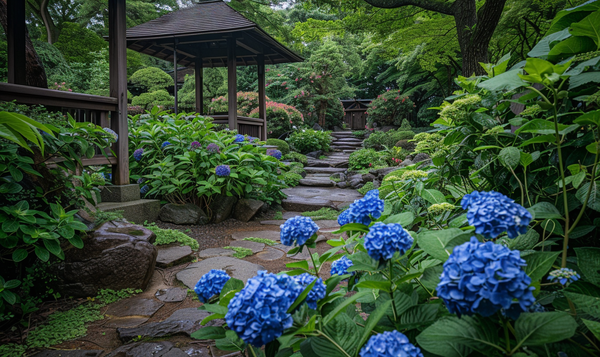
(439, 208)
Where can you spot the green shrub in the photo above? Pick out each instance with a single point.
(390, 108)
(281, 118)
(296, 157)
(365, 158)
(366, 188)
(160, 98)
(324, 213)
(308, 140)
(291, 179)
(168, 236)
(428, 143)
(379, 139)
(281, 145)
(78, 44)
(152, 79)
(360, 134)
(246, 103)
(407, 146)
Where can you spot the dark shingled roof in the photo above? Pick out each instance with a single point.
(202, 30)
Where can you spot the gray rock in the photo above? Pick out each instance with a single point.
(173, 255)
(368, 178)
(317, 182)
(339, 176)
(270, 254)
(316, 126)
(355, 183)
(302, 194)
(236, 268)
(181, 322)
(246, 209)
(146, 349)
(273, 222)
(305, 204)
(406, 163)
(342, 184)
(69, 353)
(222, 207)
(134, 307)
(254, 246)
(182, 214)
(273, 235)
(215, 252)
(111, 258)
(382, 172)
(355, 177)
(376, 184)
(127, 321)
(171, 294)
(315, 154)
(420, 157)
(387, 128)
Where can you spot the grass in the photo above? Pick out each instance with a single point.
(323, 213)
(168, 236)
(261, 240)
(240, 252)
(278, 215)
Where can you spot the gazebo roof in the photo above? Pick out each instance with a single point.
(202, 30)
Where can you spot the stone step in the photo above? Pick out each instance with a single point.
(349, 151)
(344, 136)
(344, 147)
(137, 211)
(304, 204)
(317, 182)
(323, 170)
(348, 140)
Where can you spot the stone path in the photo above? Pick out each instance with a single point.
(344, 141)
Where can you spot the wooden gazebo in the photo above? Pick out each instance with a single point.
(212, 34)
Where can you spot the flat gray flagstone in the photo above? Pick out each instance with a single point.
(236, 268)
(325, 170)
(291, 214)
(326, 223)
(134, 307)
(303, 204)
(273, 222)
(128, 321)
(171, 294)
(272, 235)
(147, 349)
(324, 193)
(215, 252)
(270, 254)
(300, 256)
(173, 255)
(255, 246)
(69, 353)
(282, 247)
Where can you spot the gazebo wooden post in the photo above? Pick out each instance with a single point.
(16, 42)
(232, 84)
(175, 76)
(199, 73)
(262, 105)
(117, 50)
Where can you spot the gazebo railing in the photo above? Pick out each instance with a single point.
(246, 125)
(82, 107)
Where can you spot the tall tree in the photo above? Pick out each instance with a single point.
(474, 27)
(41, 11)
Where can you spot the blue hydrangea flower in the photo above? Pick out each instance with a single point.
(141, 180)
(340, 266)
(492, 213)
(316, 293)
(297, 229)
(165, 144)
(195, 145)
(210, 284)
(137, 155)
(144, 190)
(275, 153)
(252, 139)
(111, 133)
(107, 176)
(258, 313)
(213, 148)
(239, 138)
(222, 170)
(564, 276)
(383, 240)
(343, 218)
(390, 344)
(369, 206)
(482, 278)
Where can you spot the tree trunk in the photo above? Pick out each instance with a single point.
(51, 29)
(36, 75)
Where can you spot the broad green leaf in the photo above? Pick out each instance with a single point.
(11, 284)
(535, 329)
(485, 120)
(10, 226)
(539, 264)
(584, 78)
(10, 188)
(42, 253)
(372, 321)
(403, 219)
(542, 48)
(585, 304)
(380, 285)
(300, 299)
(342, 306)
(53, 246)
(209, 333)
(231, 342)
(510, 157)
(77, 242)
(566, 17)
(589, 118)
(571, 46)
(506, 81)
(542, 210)
(418, 316)
(539, 126)
(344, 332)
(588, 261)
(9, 296)
(581, 231)
(232, 284)
(589, 26)
(362, 261)
(537, 69)
(215, 308)
(19, 254)
(439, 243)
(524, 241)
(541, 139)
(593, 326)
(433, 196)
(594, 199)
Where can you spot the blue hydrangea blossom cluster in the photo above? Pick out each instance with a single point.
(383, 240)
(483, 278)
(258, 313)
(362, 210)
(297, 229)
(492, 213)
(144, 190)
(165, 144)
(340, 266)
(564, 276)
(390, 344)
(137, 154)
(239, 138)
(210, 284)
(316, 293)
(223, 170)
(112, 133)
(275, 153)
(195, 145)
(213, 148)
(343, 218)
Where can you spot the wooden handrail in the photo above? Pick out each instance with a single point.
(50, 97)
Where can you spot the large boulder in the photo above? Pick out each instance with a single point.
(420, 157)
(222, 207)
(246, 209)
(315, 154)
(187, 213)
(116, 256)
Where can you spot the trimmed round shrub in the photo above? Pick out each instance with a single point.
(309, 140)
(152, 78)
(364, 158)
(281, 118)
(379, 139)
(390, 108)
(296, 157)
(148, 100)
(406, 145)
(281, 145)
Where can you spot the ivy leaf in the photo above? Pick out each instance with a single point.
(535, 329)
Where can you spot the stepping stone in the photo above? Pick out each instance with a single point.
(69, 353)
(173, 255)
(129, 321)
(317, 176)
(324, 224)
(273, 222)
(322, 193)
(134, 307)
(284, 248)
(192, 351)
(317, 182)
(215, 252)
(181, 322)
(236, 268)
(270, 254)
(300, 256)
(291, 214)
(304, 204)
(255, 246)
(171, 294)
(143, 349)
(325, 170)
(272, 235)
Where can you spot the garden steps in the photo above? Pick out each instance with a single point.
(345, 141)
(137, 211)
(324, 170)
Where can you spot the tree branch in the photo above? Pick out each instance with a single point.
(440, 6)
